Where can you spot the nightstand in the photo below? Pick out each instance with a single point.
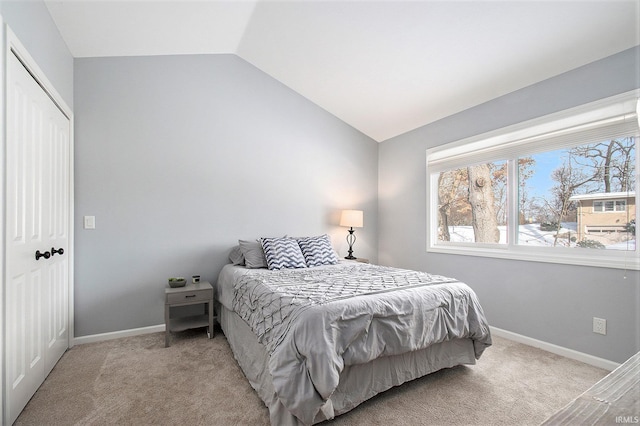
(191, 294)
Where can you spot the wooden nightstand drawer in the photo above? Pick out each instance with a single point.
(189, 296)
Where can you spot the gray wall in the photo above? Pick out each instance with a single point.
(178, 157)
(34, 27)
(550, 302)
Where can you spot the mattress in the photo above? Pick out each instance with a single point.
(314, 327)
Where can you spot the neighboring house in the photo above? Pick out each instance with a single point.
(604, 213)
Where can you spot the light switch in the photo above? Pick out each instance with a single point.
(89, 222)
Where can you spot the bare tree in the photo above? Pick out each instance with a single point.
(568, 179)
(623, 168)
(499, 178)
(610, 163)
(451, 199)
(444, 205)
(481, 198)
(525, 172)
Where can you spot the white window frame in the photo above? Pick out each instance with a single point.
(610, 117)
(616, 204)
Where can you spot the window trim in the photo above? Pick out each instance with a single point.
(553, 131)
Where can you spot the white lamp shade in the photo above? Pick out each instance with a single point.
(351, 218)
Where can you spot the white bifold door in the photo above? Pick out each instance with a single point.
(37, 236)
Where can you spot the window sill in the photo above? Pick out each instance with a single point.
(575, 256)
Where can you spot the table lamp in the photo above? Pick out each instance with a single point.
(352, 219)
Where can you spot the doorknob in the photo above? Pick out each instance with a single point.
(46, 255)
(59, 251)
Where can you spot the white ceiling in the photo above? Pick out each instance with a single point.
(384, 67)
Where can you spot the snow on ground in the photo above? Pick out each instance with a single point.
(531, 235)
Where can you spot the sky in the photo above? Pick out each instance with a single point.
(540, 182)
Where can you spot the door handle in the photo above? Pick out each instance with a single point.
(46, 255)
(59, 251)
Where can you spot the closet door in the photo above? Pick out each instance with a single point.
(56, 217)
(37, 220)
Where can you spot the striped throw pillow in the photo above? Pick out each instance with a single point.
(318, 250)
(282, 253)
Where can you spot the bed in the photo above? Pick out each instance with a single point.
(315, 342)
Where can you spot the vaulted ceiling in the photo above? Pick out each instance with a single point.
(384, 67)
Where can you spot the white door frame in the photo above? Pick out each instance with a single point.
(10, 43)
(2, 222)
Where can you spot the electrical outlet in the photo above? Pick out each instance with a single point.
(599, 325)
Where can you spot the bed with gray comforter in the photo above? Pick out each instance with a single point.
(307, 339)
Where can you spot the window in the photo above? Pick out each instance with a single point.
(610, 206)
(538, 190)
(458, 200)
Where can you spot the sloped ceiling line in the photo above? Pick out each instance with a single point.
(384, 67)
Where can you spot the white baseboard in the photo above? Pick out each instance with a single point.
(549, 347)
(118, 334)
(555, 349)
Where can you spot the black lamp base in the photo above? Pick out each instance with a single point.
(351, 238)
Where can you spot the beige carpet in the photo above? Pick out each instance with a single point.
(196, 381)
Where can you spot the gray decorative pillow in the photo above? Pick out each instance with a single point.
(236, 257)
(253, 254)
(282, 253)
(318, 250)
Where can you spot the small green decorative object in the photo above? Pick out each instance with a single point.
(177, 282)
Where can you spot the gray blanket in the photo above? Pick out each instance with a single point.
(315, 321)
